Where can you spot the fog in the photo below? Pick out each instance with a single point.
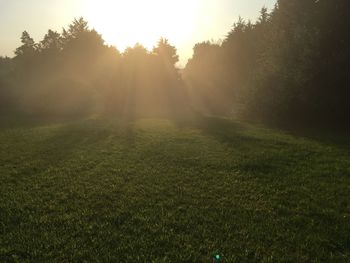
(278, 69)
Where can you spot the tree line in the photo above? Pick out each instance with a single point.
(74, 73)
(291, 65)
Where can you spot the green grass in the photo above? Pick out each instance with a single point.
(158, 191)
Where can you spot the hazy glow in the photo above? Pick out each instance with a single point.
(124, 23)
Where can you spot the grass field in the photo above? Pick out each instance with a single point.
(160, 191)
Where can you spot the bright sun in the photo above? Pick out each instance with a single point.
(127, 22)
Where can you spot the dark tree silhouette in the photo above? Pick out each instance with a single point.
(28, 47)
(291, 65)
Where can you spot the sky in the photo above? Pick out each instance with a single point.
(123, 23)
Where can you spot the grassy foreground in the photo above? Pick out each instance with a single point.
(158, 191)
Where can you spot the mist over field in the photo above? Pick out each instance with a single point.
(240, 155)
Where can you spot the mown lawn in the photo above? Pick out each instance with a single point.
(159, 191)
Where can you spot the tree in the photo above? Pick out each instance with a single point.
(291, 64)
(52, 42)
(28, 47)
(6, 90)
(75, 29)
(82, 45)
(206, 76)
(166, 52)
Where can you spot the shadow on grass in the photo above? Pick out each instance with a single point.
(74, 142)
(261, 152)
(229, 131)
(337, 137)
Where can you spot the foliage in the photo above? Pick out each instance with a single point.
(74, 73)
(290, 65)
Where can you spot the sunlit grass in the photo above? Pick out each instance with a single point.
(160, 191)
